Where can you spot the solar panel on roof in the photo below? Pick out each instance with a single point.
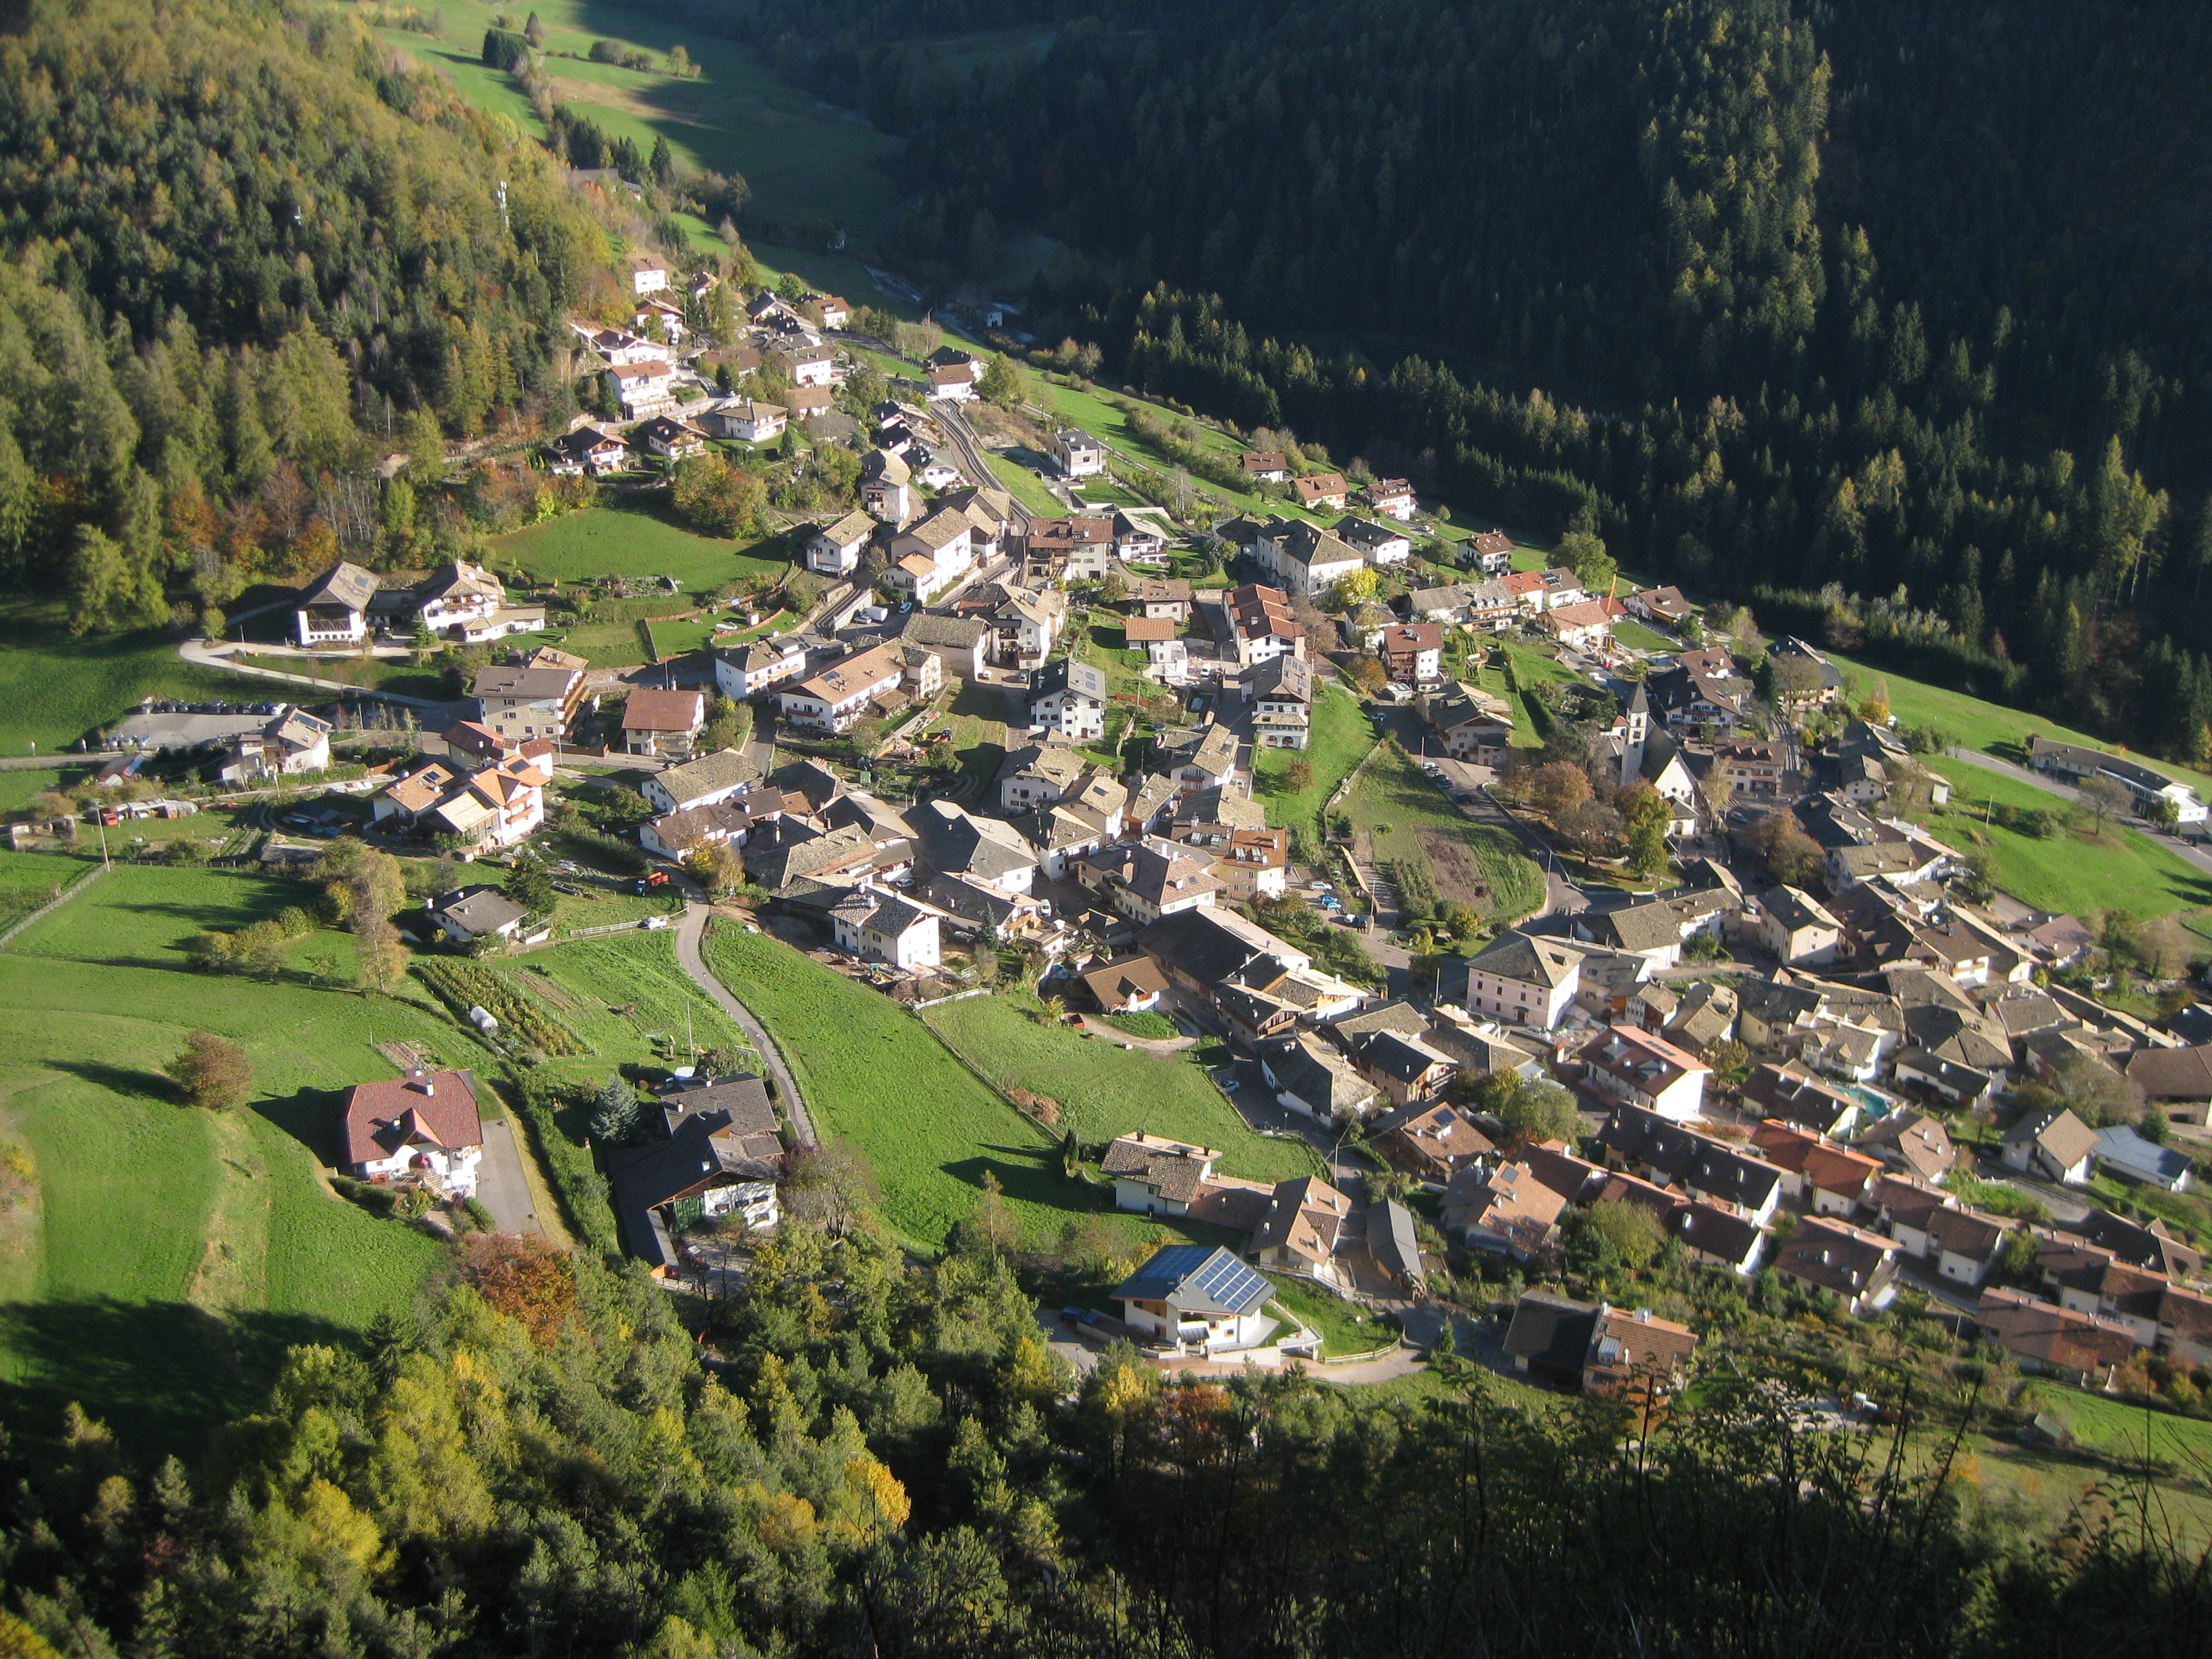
(1228, 1284)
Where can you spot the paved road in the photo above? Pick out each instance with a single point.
(501, 1184)
(207, 655)
(688, 935)
(971, 452)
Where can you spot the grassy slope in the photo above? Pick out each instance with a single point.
(877, 1079)
(1340, 736)
(612, 541)
(54, 689)
(1106, 1091)
(177, 1250)
(2122, 870)
(1393, 791)
(591, 978)
(802, 158)
(1974, 724)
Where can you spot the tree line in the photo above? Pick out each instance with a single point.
(882, 1456)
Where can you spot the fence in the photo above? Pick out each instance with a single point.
(958, 996)
(55, 902)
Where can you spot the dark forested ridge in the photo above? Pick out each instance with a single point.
(238, 239)
(1905, 300)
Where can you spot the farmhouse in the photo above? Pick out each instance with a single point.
(1069, 697)
(522, 703)
(877, 926)
(586, 451)
(1154, 1175)
(718, 1147)
(751, 669)
(334, 609)
(423, 1128)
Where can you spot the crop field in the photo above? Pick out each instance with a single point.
(626, 541)
(878, 1079)
(1338, 737)
(173, 1253)
(54, 689)
(2123, 869)
(624, 994)
(1408, 818)
(1106, 1091)
(804, 159)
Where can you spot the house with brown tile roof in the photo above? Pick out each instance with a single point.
(661, 722)
(2073, 1346)
(1847, 1262)
(1302, 1229)
(1508, 1210)
(423, 1127)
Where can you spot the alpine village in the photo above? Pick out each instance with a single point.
(1074, 827)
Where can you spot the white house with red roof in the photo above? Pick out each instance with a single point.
(423, 1127)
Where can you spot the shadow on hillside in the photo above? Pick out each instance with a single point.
(310, 1117)
(1028, 1174)
(161, 1375)
(125, 1080)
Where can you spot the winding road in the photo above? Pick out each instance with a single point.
(689, 932)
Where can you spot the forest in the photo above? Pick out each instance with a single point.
(884, 1458)
(1888, 315)
(245, 253)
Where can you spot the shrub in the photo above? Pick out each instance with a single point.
(212, 1072)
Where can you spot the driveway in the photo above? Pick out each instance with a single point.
(688, 935)
(501, 1186)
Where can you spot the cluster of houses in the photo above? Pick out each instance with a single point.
(660, 391)
(715, 1144)
(347, 604)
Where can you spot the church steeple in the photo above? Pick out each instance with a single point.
(1638, 733)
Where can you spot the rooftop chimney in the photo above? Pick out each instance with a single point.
(419, 1079)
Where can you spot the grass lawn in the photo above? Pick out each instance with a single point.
(878, 1080)
(1409, 819)
(1533, 666)
(1637, 637)
(1344, 1326)
(395, 674)
(1024, 485)
(2116, 1429)
(979, 735)
(1105, 1091)
(1492, 680)
(804, 159)
(1338, 737)
(174, 1253)
(2121, 870)
(1974, 724)
(628, 541)
(602, 644)
(29, 879)
(55, 689)
(20, 787)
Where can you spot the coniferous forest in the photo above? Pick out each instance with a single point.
(243, 253)
(1890, 315)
